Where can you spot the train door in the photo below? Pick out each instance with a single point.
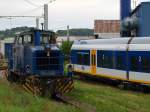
(93, 61)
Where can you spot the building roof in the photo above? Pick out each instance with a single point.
(137, 8)
(107, 26)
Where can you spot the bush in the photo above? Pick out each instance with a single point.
(66, 48)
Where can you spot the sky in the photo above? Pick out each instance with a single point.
(75, 13)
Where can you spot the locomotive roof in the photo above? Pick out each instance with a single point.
(31, 31)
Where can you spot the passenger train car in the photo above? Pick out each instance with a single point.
(121, 59)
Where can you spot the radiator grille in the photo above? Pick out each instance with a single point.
(44, 62)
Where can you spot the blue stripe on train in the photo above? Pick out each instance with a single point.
(125, 64)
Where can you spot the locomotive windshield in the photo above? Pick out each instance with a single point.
(28, 39)
(47, 39)
(31, 38)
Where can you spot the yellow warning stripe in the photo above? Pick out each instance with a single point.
(70, 89)
(27, 89)
(63, 86)
(67, 87)
(30, 88)
(113, 77)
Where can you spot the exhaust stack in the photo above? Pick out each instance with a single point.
(125, 9)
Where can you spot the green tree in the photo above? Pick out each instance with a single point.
(66, 48)
(76, 32)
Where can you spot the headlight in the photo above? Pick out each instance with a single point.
(28, 69)
(70, 68)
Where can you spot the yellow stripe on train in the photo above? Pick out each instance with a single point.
(113, 77)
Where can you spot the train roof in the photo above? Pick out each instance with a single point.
(119, 47)
(141, 40)
(113, 47)
(135, 40)
(121, 44)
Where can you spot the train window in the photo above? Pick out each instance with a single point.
(134, 63)
(99, 60)
(105, 61)
(108, 62)
(86, 58)
(145, 64)
(119, 63)
(83, 59)
(79, 58)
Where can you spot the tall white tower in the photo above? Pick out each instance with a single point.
(37, 22)
(45, 16)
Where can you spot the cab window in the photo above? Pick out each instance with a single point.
(28, 39)
(45, 40)
(48, 39)
(20, 40)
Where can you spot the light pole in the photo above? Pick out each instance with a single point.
(45, 16)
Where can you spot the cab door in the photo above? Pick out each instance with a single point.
(18, 54)
(93, 61)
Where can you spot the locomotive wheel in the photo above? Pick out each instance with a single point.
(47, 92)
(47, 88)
(11, 77)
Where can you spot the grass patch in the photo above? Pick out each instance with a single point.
(109, 99)
(102, 97)
(14, 99)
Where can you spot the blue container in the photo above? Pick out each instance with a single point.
(125, 9)
(9, 54)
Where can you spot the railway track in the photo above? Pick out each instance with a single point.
(30, 87)
(60, 97)
(82, 106)
(113, 83)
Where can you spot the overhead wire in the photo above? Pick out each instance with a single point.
(37, 8)
(32, 10)
(35, 5)
(29, 2)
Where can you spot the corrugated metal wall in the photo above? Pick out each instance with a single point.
(107, 26)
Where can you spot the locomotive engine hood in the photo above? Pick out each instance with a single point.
(42, 63)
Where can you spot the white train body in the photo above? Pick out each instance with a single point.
(125, 59)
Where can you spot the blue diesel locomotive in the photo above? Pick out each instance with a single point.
(37, 63)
